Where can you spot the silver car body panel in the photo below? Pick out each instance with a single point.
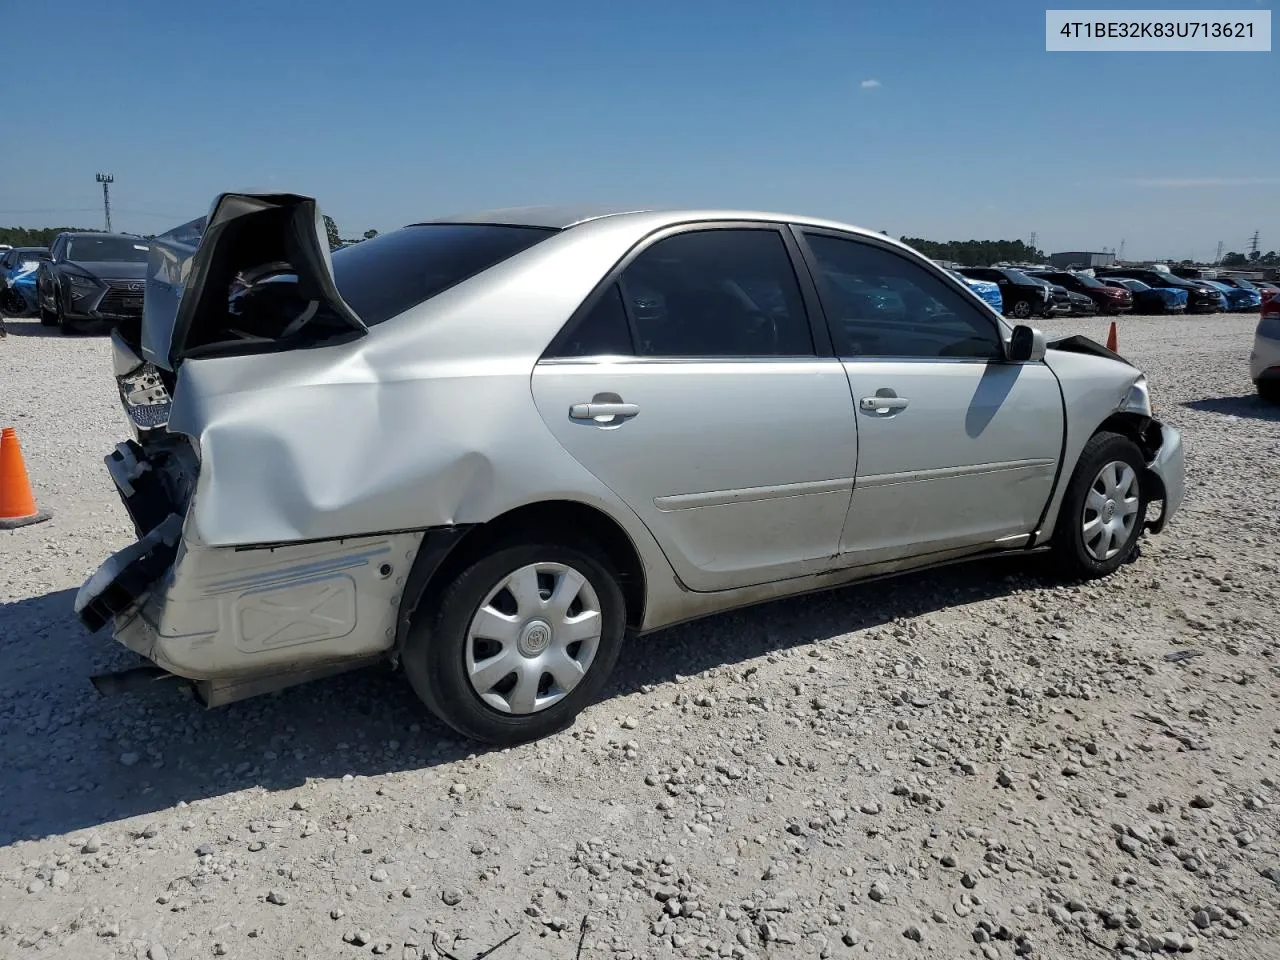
(1264, 358)
(730, 511)
(968, 461)
(318, 463)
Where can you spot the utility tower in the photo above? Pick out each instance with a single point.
(1032, 244)
(1217, 257)
(1253, 242)
(1120, 256)
(106, 180)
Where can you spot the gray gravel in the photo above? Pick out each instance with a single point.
(968, 763)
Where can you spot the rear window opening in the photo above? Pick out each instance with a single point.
(265, 306)
(379, 279)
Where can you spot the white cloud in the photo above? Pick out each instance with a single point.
(1182, 182)
(869, 84)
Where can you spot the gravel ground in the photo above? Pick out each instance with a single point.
(973, 762)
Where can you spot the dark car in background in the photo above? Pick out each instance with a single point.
(1148, 299)
(1201, 298)
(92, 279)
(1081, 306)
(1060, 297)
(1022, 296)
(1107, 299)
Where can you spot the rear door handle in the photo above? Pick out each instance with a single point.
(883, 403)
(592, 411)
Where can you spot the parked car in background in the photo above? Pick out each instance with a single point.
(92, 278)
(1108, 299)
(1147, 299)
(1239, 300)
(1060, 298)
(1021, 295)
(1201, 298)
(502, 557)
(1264, 360)
(986, 289)
(1081, 306)
(18, 266)
(1265, 285)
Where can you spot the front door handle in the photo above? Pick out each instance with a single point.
(594, 411)
(883, 403)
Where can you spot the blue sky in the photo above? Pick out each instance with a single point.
(395, 111)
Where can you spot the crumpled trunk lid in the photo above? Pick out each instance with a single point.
(194, 271)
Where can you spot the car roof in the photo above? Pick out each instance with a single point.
(552, 216)
(565, 217)
(98, 233)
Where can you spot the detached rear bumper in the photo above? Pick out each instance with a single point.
(1169, 470)
(238, 615)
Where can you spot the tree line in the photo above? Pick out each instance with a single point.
(977, 253)
(32, 236)
(1254, 259)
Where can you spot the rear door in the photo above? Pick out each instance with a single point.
(690, 384)
(957, 448)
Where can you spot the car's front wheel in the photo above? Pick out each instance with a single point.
(1269, 390)
(48, 318)
(519, 643)
(1021, 309)
(1104, 509)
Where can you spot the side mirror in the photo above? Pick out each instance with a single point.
(1026, 345)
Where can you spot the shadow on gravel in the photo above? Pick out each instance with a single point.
(73, 760)
(28, 328)
(1249, 405)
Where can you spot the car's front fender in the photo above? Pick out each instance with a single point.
(1095, 386)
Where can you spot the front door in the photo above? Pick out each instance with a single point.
(957, 448)
(690, 386)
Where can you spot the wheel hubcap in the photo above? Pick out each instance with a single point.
(1110, 510)
(533, 638)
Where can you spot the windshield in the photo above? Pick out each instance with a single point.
(1244, 284)
(106, 249)
(1017, 276)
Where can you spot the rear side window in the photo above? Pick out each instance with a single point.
(383, 277)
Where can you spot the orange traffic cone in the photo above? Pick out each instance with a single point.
(1111, 337)
(17, 503)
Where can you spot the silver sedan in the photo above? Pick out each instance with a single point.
(491, 447)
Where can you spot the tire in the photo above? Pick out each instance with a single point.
(48, 318)
(441, 651)
(1269, 390)
(1087, 558)
(1021, 309)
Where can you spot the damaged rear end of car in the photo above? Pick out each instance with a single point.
(235, 617)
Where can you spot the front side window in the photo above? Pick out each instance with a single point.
(880, 304)
(717, 293)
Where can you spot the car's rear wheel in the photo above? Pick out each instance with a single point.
(519, 643)
(1021, 309)
(1104, 509)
